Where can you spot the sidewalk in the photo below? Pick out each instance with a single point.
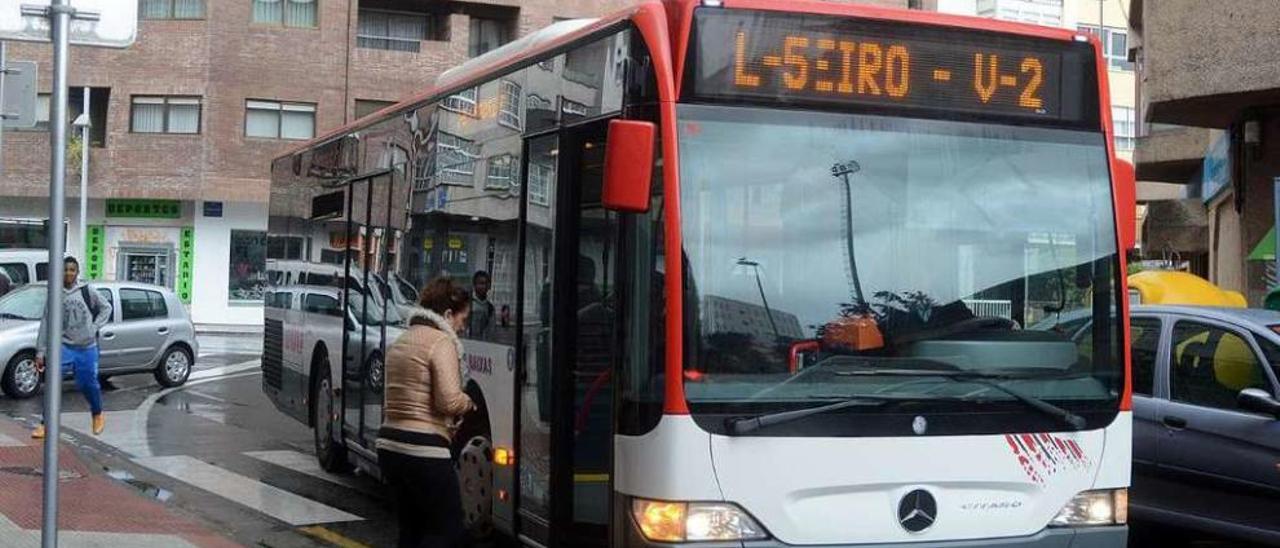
(95, 511)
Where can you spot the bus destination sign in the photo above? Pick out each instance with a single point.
(765, 56)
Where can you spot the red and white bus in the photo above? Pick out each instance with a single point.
(759, 273)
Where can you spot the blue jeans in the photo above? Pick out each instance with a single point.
(83, 362)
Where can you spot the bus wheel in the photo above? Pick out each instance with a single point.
(331, 454)
(475, 477)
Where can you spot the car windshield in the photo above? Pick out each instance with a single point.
(820, 247)
(372, 310)
(24, 304)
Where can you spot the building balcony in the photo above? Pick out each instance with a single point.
(1172, 154)
(1204, 63)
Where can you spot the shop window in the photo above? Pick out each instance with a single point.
(247, 278)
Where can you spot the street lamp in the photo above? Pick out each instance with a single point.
(743, 261)
(843, 171)
(83, 123)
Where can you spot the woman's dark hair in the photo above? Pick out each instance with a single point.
(442, 294)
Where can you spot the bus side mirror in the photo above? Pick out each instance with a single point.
(1126, 191)
(628, 166)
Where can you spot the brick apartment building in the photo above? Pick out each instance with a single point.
(186, 122)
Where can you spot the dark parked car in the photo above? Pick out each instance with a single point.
(1206, 435)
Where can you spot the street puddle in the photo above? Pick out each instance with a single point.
(147, 489)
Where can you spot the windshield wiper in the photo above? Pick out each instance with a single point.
(987, 379)
(12, 316)
(743, 425)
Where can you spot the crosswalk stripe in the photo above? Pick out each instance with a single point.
(303, 464)
(122, 432)
(6, 441)
(272, 501)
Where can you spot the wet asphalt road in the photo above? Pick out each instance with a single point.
(222, 422)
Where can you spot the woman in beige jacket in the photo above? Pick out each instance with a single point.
(424, 406)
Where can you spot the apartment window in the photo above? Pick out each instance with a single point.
(1115, 45)
(501, 174)
(488, 34)
(396, 31)
(165, 115)
(540, 177)
(1036, 12)
(276, 120)
(290, 13)
(365, 107)
(99, 99)
(509, 109)
(1125, 128)
(456, 159)
(463, 102)
(171, 9)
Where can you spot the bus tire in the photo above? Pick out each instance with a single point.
(331, 454)
(473, 447)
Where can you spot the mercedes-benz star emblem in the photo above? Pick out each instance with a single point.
(917, 511)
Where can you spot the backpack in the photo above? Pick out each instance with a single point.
(89, 301)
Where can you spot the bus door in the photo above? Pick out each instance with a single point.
(567, 407)
(370, 323)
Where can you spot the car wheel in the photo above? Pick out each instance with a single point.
(21, 380)
(331, 454)
(174, 367)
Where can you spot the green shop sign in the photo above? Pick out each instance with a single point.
(94, 250)
(186, 263)
(144, 209)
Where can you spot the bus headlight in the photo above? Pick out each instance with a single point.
(666, 521)
(1101, 507)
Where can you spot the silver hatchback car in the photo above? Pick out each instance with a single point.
(150, 332)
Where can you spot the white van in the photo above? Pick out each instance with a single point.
(24, 266)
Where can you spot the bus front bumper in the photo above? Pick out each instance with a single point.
(1091, 537)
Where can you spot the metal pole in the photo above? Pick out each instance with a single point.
(4, 69)
(84, 177)
(60, 14)
(1276, 209)
(768, 311)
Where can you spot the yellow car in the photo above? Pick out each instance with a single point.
(1175, 287)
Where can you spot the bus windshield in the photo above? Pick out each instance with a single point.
(831, 256)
